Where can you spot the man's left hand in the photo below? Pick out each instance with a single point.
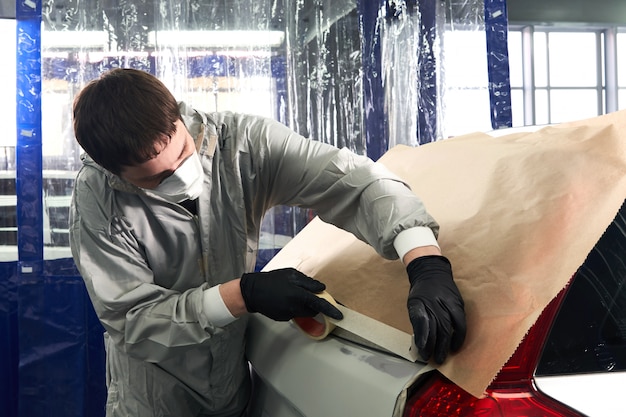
(436, 308)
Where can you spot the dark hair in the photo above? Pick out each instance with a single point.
(120, 117)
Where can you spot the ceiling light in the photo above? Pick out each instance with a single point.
(217, 38)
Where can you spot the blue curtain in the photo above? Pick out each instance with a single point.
(8, 339)
(61, 361)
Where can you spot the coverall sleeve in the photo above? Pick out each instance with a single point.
(347, 190)
(147, 321)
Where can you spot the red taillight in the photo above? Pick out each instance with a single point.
(512, 393)
(439, 397)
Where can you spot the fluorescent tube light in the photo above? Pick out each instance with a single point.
(75, 39)
(217, 38)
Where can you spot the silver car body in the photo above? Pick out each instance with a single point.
(297, 376)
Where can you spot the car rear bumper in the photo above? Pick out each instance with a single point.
(296, 376)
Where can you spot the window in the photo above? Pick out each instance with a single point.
(589, 334)
(8, 84)
(8, 213)
(466, 93)
(516, 75)
(562, 74)
(621, 68)
(557, 74)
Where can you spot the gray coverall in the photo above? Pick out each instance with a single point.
(146, 262)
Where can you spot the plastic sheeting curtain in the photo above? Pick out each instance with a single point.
(444, 68)
(324, 72)
(361, 74)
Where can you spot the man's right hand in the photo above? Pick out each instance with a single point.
(286, 293)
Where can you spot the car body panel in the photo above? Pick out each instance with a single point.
(298, 376)
(598, 394)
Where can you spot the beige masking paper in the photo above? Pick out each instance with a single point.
(518, 214)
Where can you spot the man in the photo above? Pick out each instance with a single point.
(165, 221)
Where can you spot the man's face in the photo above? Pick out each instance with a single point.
(170, 156)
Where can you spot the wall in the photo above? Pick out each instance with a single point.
(567, 11)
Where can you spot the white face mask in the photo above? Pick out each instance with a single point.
(184, 184)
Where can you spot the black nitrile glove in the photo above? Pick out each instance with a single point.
(286, 293)
(436, 308)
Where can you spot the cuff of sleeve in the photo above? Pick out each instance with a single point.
(215, 309)
(413, 238)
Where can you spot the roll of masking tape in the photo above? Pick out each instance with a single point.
(360, 328)
(317, 327)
